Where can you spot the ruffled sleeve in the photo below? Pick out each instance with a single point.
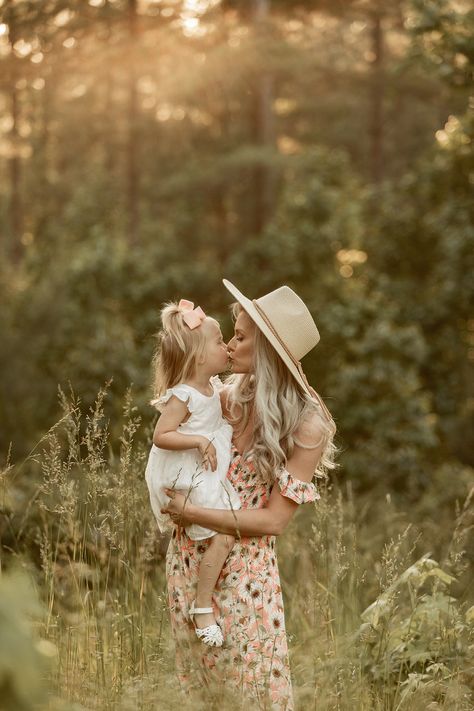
(301, 492)
(179, 391)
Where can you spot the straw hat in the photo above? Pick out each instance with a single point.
(286, 322)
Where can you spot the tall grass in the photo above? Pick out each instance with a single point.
(375, 622)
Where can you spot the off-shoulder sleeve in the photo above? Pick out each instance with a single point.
(179, 391)
(301, 492)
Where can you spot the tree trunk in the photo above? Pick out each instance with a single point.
(132, 144)
(377, 95)
(263, 125)
(14, 168)
(108, 142)
(45, 207)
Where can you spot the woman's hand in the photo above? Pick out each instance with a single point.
(176, 508)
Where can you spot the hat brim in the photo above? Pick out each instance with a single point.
(250, 309)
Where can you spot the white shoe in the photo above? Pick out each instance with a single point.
(210, 635)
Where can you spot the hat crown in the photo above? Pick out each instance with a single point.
(291, 320)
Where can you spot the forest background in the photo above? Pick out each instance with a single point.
(147, 149)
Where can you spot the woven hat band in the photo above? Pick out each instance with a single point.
(263, 315)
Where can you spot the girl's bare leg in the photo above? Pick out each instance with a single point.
(209, 570)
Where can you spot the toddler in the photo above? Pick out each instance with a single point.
(192, 442)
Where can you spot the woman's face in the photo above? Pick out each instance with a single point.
(241, 346)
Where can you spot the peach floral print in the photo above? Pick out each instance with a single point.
(253, 664)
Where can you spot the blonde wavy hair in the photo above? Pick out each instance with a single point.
(177, 351)
(280, 408)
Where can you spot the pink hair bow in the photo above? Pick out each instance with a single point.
(192, 317)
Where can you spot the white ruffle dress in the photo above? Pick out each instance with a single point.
(183, 469)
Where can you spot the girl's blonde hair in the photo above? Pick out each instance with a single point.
(177, 352)
(280, 408)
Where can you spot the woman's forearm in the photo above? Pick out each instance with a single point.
(248, 522)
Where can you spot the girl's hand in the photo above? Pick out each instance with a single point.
(176, 508)
(209, 454)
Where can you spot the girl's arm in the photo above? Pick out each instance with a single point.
(271, 520)
(166, 436)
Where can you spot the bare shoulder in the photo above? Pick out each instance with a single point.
(309, 440)
(310, 432)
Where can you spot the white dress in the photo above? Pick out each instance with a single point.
(183, 469)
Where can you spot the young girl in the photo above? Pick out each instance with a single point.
(192, 442)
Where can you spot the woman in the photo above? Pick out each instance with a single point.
(282, 435)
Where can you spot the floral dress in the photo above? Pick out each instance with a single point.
(252, 665)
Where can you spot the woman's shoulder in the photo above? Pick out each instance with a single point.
(310, 432)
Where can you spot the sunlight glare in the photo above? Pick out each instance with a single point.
(163, 113)
(190, 16)
(358, 26)
(191, 27)
(22, 48)
(146, 85)
(63, 17)
(27, 238)
(351, 256)
(190, 23)
(283, 106)
(78, 91)
(200, 118)
(287, 146)
(346, 271)
(452, 133)
(6, 124)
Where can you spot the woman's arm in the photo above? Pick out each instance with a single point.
(270, 520)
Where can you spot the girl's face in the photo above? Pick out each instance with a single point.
(215, 356)
(241, 346)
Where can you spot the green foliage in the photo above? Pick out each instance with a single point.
(445, 39)
(263, 185)
(374, 385)
(419, 635)
(23, 658)
(424, 263)
(387, 433)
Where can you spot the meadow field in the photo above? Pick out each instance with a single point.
(379, 600)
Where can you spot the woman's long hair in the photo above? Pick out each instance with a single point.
(280, 407)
